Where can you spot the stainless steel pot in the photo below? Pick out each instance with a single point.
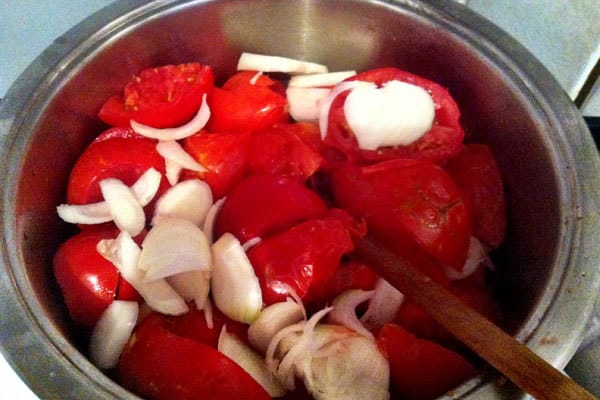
(547, 273)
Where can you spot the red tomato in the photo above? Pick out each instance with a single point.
(223, 154)
(476, 173)
(243, 107)
(420, 369)
(245, 79)
(304, 258)
(87, 280)
(262, 205)
(122, 132)
(443, 141)
(159, 364)
(279, 151)
(410, 205)
(122, 158)
(166, 96)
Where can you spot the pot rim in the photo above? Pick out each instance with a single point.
(66, 371)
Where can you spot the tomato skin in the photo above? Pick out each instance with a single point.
(162, 97)
(122, 158)
(159, 364)
(280, 151)
(122, 132)
(262, 205)
(87, 280)
(243, 107)
(443, 141)
(421, 369)
(305, 258)
(225, 156)
(249, 79)
(413, 206)
(476, 173)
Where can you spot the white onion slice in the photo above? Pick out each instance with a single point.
(264, 63)
(256, 77)
(172, 171)
(124, 253)
(384, 304)
(124, 207)
(93, 213)
(111, 333)
(146, 187)
(344, 310)
(475, 258)
(326, 105)
(271, 320)
(320, 80)
(192, 285)
(189, 200)
(250, 243)
(181, 132)
(171, 150)
(234, 285)
(250, 361)
(304, 103)
(210, 219)
(173, 246)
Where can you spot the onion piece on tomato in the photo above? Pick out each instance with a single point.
(172, 171)
(234, 285)
(189, 200)
(335, 92)
(126, 210)
(250, 361)
(475, 258)
(211, 216)
(172, 151)
(320, 80)
(344, 310)
(192, 285)
(265, 63)
(271, 320)
(111, 333)
(181, 132)
(146, 187)
(384, 304)
(250, 243)
(124, 253)
(173, 246)
(304, 102)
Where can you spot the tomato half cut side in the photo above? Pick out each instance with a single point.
(421, 369)
(410, 205)
(162, 97)
(87, 280)
(443, 141)
(262, 205)
(303, 258)
(159, 364)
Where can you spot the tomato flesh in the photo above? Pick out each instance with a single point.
(162, 97)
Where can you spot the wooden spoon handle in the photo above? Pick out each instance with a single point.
(517, 362)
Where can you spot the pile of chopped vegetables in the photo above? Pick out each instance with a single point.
(217, 225)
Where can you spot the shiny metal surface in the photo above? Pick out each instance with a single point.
(551, 170)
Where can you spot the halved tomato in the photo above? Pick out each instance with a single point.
(161, 97)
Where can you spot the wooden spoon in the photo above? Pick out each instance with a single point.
(514, 360)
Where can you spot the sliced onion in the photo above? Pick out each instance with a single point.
(250, 361)
(126, 210)
(208, 315)
(173, 246)
(326, 105)
(111, 333)
(264, 63)
(475, 258)
(181, 132)
(211, 217)
(171, 150)
(192, 285)
(146, 187)
(235, 287)
(383, 305)
(320, 80)
(344, 310)
(256, 77)
(304, 103)
(250, 243)
(271, 320)
(93, 213)
(189, 200)
(124, 253)
(172, 171)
